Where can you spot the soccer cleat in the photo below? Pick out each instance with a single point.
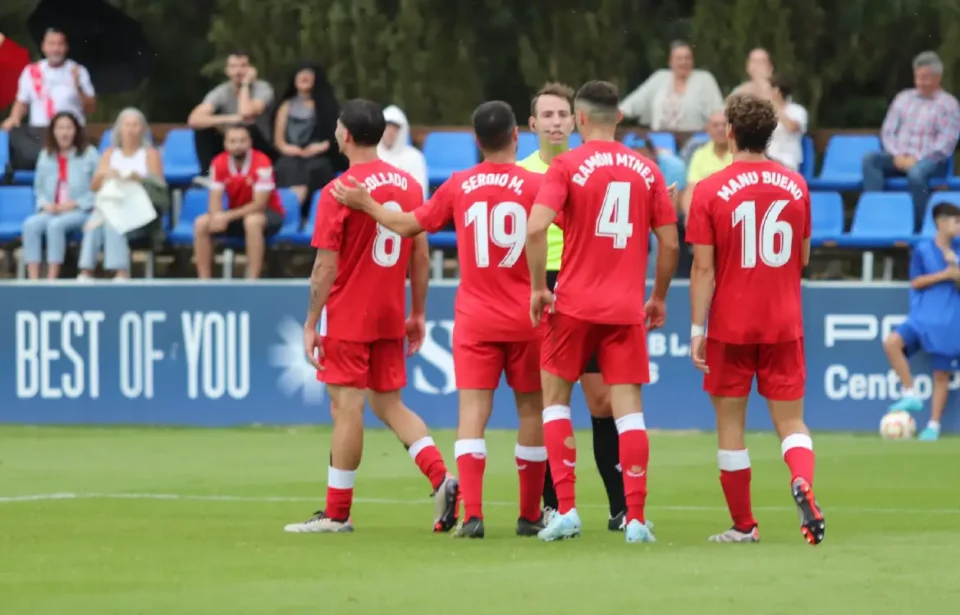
(561, 527)
(638, 532)
(908, 404)
(319, 523)
(735, 535)
(929, 434)
(617, 522)
(548, 513)
(531, 528)
(812, 524)
(471, 528)
(446, 501)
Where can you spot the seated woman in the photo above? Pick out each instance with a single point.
(61, 184)
(304, 134)
(131, 156)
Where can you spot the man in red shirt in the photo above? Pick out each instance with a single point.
(488, 205)
(609, 198)
(750, 229)
(358, 300)
(253, 209)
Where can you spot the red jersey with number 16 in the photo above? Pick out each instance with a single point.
(610, 198)
(756, 215)
(368, 300)
(489, 206)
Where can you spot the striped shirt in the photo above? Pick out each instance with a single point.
(924, 128)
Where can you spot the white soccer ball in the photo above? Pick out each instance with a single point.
(897, 425)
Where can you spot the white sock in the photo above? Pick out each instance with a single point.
(905, 392)
(934, 424)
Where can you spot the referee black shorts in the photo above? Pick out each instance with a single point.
(592, 366)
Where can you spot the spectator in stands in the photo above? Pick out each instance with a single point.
(759, 71)
(680, 98)
(253, 211)
(786, 144)
(919, 133)
(396, 149)
(303, 133)
(243, 99)
(46, 88)
(61, 184)
(131, 156)
(709, 158)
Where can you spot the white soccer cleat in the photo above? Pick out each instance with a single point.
(735, 535)
(561, 527)
(446, 505)
(319, 523)
(638, 532)
(548, 514)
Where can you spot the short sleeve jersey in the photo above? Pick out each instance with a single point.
(489, 206)
(756, 215)
(239, 184)
(368, 299)
(610, 197)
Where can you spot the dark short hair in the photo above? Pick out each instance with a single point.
(363, 119)
(239, 53)
(945, 210)
(231, 127)
(79, 138)
(493, 124)
(552, 88)
(54, 31)
(752, 120)
(782, 83)
(601, 94)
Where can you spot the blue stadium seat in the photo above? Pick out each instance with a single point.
(882, 220)
(843, 162)
(826, 217)
(953, 181)
(180, 164)
(23, 178)
(291, 220)
(900, 183)
(443, 239)
(527, 144)
(195, 202)
(304, 236)
(17, 203)
(105, 139)
(447, 153)
(808, 163)
(575, 140)
(4, 150)
(663, 140)
(929, 229)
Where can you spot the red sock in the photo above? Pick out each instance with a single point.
(471, 462)
(428, 458)
(562, 454)
(339, 493)
(634, 458)
(735, 475)
(532, 468)
(798, 454)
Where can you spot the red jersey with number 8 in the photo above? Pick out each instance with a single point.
(609, 197)
(368, 300)
(756, 215)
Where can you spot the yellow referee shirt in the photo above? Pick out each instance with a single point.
(535, 164)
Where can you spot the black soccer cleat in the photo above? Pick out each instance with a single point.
(617, 522)
(471, 528)
(812, 524)
(530, 528)
(446, 501)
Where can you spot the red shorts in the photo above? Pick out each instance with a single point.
(780, 370)
(379, 365)
(478, 365)
(621, 350)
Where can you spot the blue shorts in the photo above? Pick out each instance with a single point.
(912, 344)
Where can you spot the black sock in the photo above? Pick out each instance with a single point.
(549, 493)
(606, 452)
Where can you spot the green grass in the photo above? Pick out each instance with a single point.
(893, 510)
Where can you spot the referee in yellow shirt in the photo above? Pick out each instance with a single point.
(551, 118)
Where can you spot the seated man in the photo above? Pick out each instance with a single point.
(243, 99)
(933, 324)
(253, 208)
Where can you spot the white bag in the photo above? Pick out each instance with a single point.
(125, 205)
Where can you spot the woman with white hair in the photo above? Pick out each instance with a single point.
(131, 156)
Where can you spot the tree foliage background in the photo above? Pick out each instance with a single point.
(437, 59)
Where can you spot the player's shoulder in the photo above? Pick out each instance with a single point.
(259, 159)
(220, 160)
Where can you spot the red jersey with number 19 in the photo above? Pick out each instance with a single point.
(610, 197)
(368, 300)
(489, 206)
(756, 215)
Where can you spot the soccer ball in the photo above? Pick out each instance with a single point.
(897, 425)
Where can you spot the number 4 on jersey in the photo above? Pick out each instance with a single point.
(770, 227)
(614, 218)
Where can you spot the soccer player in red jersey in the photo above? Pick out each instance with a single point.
(488, 205)
(750, 229)
(609, 198)
(358, 299)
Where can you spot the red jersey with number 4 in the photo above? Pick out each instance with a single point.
(756, 215)
(368, 300)
(610, 198)
(489, 206)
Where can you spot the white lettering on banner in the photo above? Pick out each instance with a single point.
(660, 345)
(654, 372)
(37, 354)
(839, 384)
(858, 327)
(222, 342)
(439, 357)
(137, 354)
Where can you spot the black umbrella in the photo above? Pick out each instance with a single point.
(110, 43)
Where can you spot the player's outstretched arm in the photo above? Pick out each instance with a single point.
(321, 281)
(541, 217)
(701, 284)
(355, 195)
(419, 275)
(668, 253)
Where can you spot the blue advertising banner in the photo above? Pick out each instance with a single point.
(215, 354)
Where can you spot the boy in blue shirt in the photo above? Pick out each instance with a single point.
(933, 323)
